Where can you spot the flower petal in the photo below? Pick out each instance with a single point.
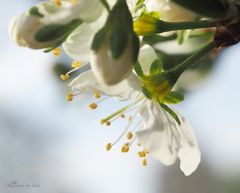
(166, 140)
(146, 57)
(126, 89)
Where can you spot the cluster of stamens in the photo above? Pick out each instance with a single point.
(122, 114)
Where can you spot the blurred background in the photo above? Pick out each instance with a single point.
(48, 145)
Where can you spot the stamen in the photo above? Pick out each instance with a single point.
(130, 118)
(57, 52)
(73, 70)
(76, 64)
(119, 112)
(58, 2)
(108, 146)
(129, 135)
(108, 123)
(93, 106)
(69, 96)
(125, 149)
(122, 116)
(64, 77)
(144, 162)
(142, 154)
(97, 95)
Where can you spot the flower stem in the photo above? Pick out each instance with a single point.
(163, 26)
(179, 69)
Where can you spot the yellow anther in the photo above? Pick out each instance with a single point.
(76, 64)
(108, 146)
(139, 144)
(122, 116)
(57, 51)
(69, 97)
(125, 149)
(129, 135)
(97, 95)
(129, 118)
(144, 162)
(64, 77)
(142, 154)
(92, 106)
(58, 2)
(108, 123)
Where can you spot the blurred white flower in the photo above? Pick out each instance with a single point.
(170, 11)
(155, 129)
(23, 28)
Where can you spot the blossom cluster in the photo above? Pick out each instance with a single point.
(117, 38)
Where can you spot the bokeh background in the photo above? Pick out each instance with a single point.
(58, 147)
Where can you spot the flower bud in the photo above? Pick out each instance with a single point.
(22, 30)
(115, 46)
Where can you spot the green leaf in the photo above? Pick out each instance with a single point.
(208, 8)
(34, 12)
(56, 32)
(98, 40)
(118, 41)
(138, 69)
(156, 66)
(171, 112)
(146, 93)
(174, 98)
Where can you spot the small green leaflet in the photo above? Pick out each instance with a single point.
(174, 98)
(138, 69)
(156, 66)
(171, 112)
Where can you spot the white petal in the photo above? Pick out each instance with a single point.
(157, 137)
(22, 30)
(88, 11)
(166, 140)
(126, 89)
(146, 57)
(78, 43)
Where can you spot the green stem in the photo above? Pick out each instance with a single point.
(163, 26)
(173, 74)
(179, 69)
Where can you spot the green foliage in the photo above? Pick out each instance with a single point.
(98, 39)
(156, 66)
(118, 41)
(34, 12)
(174, 98)
(138, 69)
(146, 93)
(171, 112)
(208, 8)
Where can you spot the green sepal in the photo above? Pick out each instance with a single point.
(156, 66)
(118, 41)
(180, 37)
(135, 46)
(34, 12)
(105, 4)
(139, 2)
(138, 69)
(57, 33)
(146, 93)
(171, 112)
(174, 98)
(98, 40)
(208, 8)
